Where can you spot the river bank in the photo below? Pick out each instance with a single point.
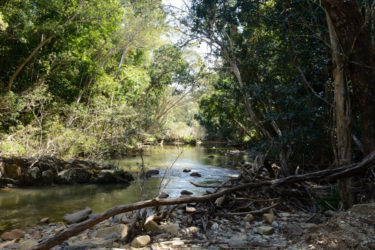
(17, 171)
(189, 226)
(264, 217)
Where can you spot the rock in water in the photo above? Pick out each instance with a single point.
(48, 176)
(196, 174)
(12, 235)
(74, 175)
(12, 171)
(150, 173)
(185, 192)
(163, 195)
(141, 241)
(77, 216)
(186, 170)
(112, 177)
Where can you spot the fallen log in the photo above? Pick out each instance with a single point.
(331, 174)
(77, 228)
(366, 163)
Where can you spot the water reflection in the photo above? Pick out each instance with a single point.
(20, 208)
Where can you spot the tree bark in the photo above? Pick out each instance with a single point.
(343, 116)
(358, 53)
(33, 53)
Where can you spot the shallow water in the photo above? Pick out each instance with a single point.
(24, 207)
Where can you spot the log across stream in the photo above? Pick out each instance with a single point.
(24, 207)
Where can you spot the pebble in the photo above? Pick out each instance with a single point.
(152, 226)
(192, 230)
(265, 230)
(292, 229)
(141, 241)
(249, 217)
(215, 226)
(269, 218)
(119, 231)
(170, 228)
(191, 209)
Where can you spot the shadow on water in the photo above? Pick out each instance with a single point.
(24, 207)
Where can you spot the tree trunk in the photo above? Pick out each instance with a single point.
(343, 116)
(358, 53)
(33, 53)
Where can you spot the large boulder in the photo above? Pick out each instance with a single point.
(11, 170)
(33, 175)
(48, 176)
(150, 173)
(74, 176)
(50, 170)
(113, 177)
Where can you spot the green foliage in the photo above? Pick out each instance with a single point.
(96, 87)
(266, 40)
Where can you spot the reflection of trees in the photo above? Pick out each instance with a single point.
(20, 207)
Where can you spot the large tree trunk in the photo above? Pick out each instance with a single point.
(32, 54)
(343, 116)
(355, 41)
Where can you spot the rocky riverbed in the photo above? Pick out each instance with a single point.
(187, 227)
(49, 170)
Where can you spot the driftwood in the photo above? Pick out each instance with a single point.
(336, 173)
(255, 212)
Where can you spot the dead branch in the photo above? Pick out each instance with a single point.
(255, 200)
(259, 211)
(335, 173)
(77, 228)
(208, 186)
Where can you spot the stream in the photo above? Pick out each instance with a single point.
(24, 207)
